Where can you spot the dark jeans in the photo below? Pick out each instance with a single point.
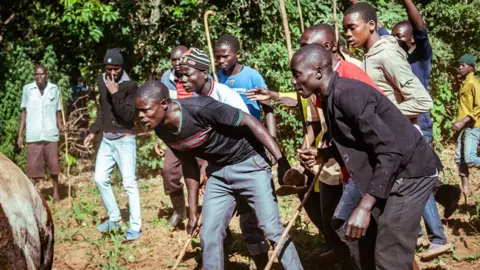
(390, 241)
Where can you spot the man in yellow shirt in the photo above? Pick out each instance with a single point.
(468, 120)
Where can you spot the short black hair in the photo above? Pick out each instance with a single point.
(405, 23)
(153, 90)
(228, 40)
(316, 54)
(366, 11)
(322, 28)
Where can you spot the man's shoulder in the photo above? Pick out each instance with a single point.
(196, 101)
(352, 86)
(222, 88)
(29, 85)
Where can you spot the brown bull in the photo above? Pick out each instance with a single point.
(26, 226)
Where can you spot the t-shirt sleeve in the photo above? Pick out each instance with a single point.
(219, 114)
(59, 101)
(258, 80)
(422, 44)
(190, 167)
(23, 104)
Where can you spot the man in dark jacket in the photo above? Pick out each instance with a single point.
(394, 169)
(115, 120)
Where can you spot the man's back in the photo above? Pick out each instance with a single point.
(365, 125)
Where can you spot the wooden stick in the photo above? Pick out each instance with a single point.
(210, 48)
(302, 27)
(66, 151)
(185, 246)
(286, 29)
(291, 222)
(335, 19)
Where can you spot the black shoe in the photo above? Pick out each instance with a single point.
(179, 210)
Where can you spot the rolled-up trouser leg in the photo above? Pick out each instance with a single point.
(172, 174)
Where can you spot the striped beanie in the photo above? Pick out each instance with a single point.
(195, 58)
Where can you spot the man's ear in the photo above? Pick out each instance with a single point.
(205, 75)
(318, 72)
(164, 103)
(372, 26)
(328, 46)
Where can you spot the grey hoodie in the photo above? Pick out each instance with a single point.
(386, 63)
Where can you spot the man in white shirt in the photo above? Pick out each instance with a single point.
(41, 114)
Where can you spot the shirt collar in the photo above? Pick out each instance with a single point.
(337, 65)
(332, 83)
(211, 88)
(124, 78)
(172, 76)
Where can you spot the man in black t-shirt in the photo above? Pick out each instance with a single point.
(232, 142)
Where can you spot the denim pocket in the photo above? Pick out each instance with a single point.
(261, 163)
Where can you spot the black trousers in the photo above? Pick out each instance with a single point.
(392, 235)
(320, 208)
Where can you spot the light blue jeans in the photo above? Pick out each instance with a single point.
(252, 180)
(122, 152)
(466, 154)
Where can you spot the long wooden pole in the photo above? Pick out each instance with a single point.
(286, 30)
(335, 19)
(292, 220)
(66, 151)
(185, 246)
(302, 26)
(209, 42)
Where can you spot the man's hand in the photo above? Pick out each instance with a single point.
(357, 224)
(20, 142)
(158, 147)
(112, 86)
(287, 102)
(88, 140)
(309, 157)
(461, 124)
(282, 168)
(259, 94)
(192, 224)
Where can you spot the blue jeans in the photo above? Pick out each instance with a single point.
(434, 225)
(252, 180)
(122, 152)
(466, 154)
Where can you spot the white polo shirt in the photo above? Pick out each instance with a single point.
(41, 122)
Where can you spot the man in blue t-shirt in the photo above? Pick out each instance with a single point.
(241, 78)
(412, 36)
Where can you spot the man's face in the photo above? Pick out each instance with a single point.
(357, 31)
(464, 69)
(41, 77)
(305, 78)
(192, 79)
(225, 57)
(319, 38)
(151, 113)
(175, 58)
(404, 36)
(114, 72)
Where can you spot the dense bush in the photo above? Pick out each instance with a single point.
(69, 34)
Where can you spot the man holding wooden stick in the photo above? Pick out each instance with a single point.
(394, 169)
(232, 142)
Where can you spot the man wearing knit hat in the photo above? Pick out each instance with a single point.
(218, 206)
(468, 120)
(115, 120)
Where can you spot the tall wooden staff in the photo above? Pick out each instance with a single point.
(335, 19)
(66, 151)
(302, 27)
(210, 48)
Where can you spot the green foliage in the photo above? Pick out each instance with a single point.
(74, 34)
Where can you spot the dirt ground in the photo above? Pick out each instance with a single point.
(79, 246)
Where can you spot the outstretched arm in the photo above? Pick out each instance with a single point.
(415, 17)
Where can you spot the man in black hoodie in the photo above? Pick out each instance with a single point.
(115, 120)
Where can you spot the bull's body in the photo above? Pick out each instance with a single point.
(26, 225)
